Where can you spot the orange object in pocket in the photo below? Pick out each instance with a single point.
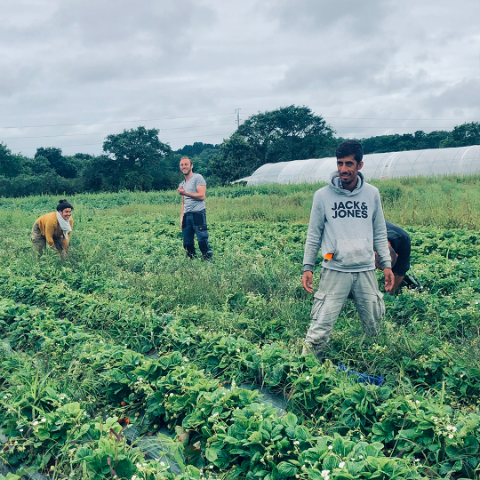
(328, 257)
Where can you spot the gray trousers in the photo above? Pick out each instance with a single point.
(334, 289)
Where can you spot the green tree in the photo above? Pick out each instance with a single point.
(463, 136)
(39, 165)
(10, 164)
(236, 159)
(133, 159)
(288, 133)
(64, 167)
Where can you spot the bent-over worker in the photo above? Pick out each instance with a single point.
(54, 228)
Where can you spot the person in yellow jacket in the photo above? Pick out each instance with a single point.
(54, 228)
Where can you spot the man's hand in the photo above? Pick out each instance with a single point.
(307, 281)
(181, 191)
(389, 280)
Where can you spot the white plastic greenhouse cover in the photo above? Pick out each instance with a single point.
(430, 162)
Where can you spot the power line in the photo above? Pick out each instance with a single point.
(197, 126)
(221, 114)
(110, 133)
(90, 144)
(119, 121)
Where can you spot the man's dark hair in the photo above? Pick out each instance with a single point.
(62, 205)
(350, 147)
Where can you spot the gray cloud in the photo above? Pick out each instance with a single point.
(79, 61)
(338, 17)
(461, 97)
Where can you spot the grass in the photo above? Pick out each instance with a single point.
(127, 268)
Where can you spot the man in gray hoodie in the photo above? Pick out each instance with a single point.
(347, 223)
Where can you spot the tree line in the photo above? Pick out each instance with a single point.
(136, 159)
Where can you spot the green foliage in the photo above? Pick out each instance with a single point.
(288, 133)
(127, 331)
(237, 158)
(135, 160)
(10, 165)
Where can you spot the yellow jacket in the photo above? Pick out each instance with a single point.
(48, 225)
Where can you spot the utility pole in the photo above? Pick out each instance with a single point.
(237, 111)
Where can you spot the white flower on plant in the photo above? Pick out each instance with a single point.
(185, 359)
(21, 430)
(454, 429)
(35, 423)
(238, 350)
(341, 464)
(330, 447)
(325, 473)
(417, 401)
(296, 442)
(134, 477)
(211, 467)
(171, 394)
(307, 378)
(162, 464)
(450, 436)
(139, 465)
(360, 457)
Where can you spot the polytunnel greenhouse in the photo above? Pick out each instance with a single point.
(430, 162)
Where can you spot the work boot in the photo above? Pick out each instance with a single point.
(205, 249)
(309, 348)
(190, 249)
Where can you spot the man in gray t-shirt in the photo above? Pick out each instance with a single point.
(193, 218)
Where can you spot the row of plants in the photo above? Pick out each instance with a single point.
(167, 390)
(426, 362)
(223, 429)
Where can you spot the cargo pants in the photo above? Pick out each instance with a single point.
(195, 223)
(335, 287)
(40, 242)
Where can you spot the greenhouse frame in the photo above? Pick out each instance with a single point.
(428, 162)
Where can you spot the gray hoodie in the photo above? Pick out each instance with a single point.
(348, 224)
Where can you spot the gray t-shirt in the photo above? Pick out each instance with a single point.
(190, 204)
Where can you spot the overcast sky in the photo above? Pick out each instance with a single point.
(74, 71)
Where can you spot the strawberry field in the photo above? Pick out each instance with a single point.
(130, 361)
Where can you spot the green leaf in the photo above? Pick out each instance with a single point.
(291, 419)
(286, 470)
(211, 454)
(301, 433)
(330, 462)
(471, 445)
(255, 437)
(84, 452)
